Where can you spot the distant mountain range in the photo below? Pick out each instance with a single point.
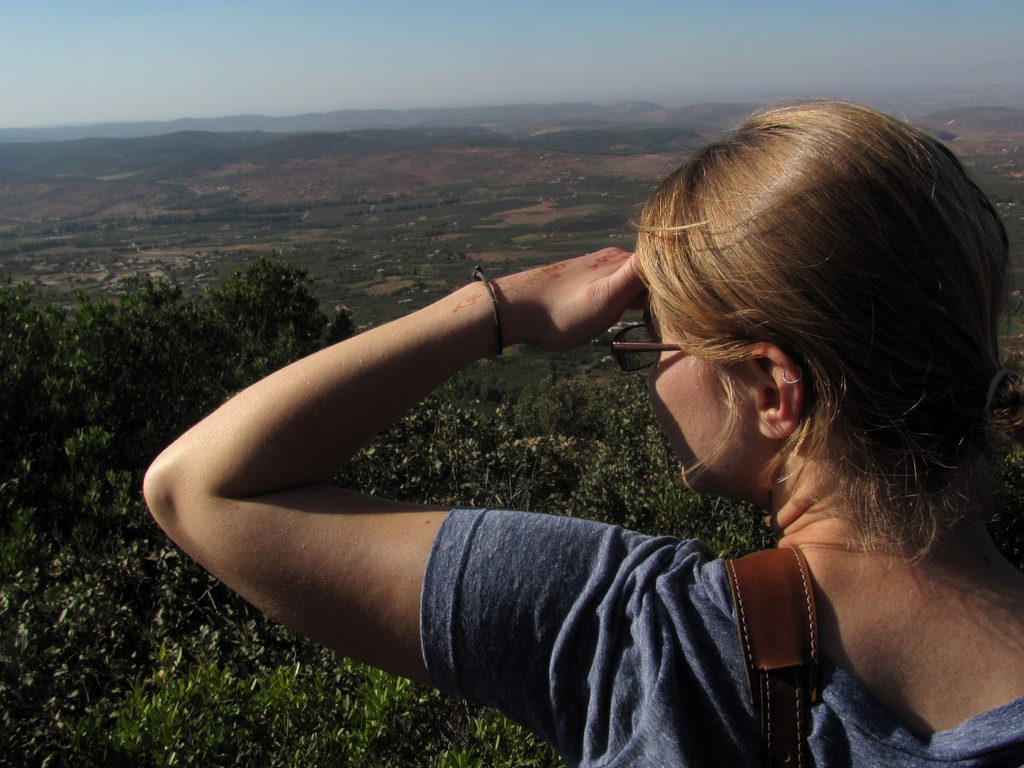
(184, 154)
(515, 120)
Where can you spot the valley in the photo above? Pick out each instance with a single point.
(383, 219)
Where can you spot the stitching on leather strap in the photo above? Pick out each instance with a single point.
(807, 602)
(799, 728)
(741, 614)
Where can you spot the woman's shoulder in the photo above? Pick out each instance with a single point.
(852, 727)
(936, 646)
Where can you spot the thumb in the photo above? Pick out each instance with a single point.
(624, 288)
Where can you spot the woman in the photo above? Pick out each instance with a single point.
(823, 290)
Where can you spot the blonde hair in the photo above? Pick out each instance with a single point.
(857, 244)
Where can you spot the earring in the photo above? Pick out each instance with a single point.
(799, 375)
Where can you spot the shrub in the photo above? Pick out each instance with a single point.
(116, 649)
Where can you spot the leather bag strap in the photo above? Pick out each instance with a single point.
(778, 630)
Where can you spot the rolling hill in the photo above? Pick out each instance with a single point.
(493, 146)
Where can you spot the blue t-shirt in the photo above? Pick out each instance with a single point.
(620, 649)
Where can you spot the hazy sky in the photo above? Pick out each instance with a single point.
(70, 61)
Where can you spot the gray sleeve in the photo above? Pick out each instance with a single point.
(568, 626)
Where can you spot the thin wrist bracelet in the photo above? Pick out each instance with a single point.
(478, 274)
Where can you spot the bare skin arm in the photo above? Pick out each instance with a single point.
(247, 493)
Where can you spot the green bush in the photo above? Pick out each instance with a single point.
(118, 650)
(103, 388)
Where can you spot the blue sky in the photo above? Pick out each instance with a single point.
(68, 61)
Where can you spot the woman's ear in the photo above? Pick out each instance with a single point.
(779, 391)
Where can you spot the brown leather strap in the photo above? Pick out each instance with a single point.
(778, 631)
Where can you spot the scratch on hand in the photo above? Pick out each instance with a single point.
(554, 269)
(467, 302)
(604, 256)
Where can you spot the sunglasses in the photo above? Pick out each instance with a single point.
(636, 348)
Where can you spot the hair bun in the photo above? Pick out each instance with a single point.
(1005, 404)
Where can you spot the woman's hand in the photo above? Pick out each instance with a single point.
(564, 304)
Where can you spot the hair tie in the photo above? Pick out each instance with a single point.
(478, 274)
(993, 386)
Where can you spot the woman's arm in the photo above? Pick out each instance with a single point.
(247, 491)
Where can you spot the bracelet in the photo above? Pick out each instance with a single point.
(478, 274)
